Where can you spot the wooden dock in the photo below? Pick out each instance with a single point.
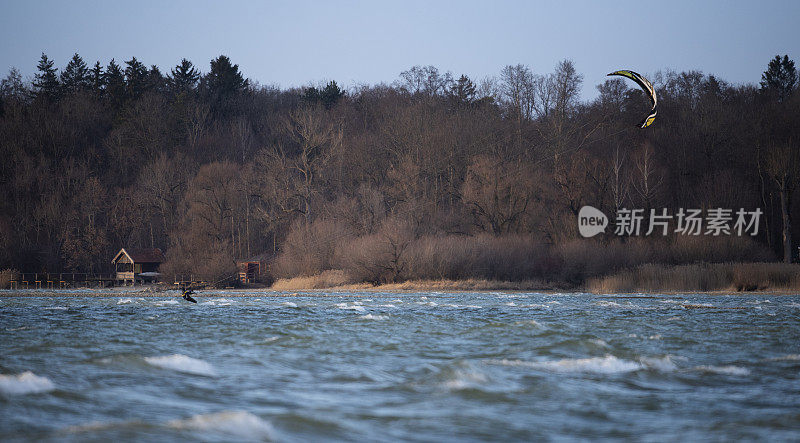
(61, 280)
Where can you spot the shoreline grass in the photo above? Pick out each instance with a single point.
(701, 277)
(708, 278)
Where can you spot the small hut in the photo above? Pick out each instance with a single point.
(137, 265)
(253, 269)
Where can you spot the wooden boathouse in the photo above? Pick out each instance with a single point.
(137, 265)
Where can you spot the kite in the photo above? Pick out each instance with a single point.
(648, 88)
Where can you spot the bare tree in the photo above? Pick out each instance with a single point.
(649, 180)
(316, 139)
(781, 165)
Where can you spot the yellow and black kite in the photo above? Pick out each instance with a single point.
(648, 88)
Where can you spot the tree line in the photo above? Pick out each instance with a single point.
(388, 181)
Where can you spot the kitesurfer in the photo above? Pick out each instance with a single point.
(187, 295)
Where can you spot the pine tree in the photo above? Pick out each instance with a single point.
(45, 82)
(311, 94)
(155, 80)
(75, 76)
(463, 90)
(184, 77)
(224, 80)
(331, 94)
(97, 78)
(780, 78)
(114, 80)
(136, 77)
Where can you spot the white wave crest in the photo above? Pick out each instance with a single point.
(124, 301)
(725, 370)
(345, 306)
(25, 383)
(182, 363)
(607, 304)
(166, 302)
(289, 304)
(238, 424)
(596, 365)
(374, 317)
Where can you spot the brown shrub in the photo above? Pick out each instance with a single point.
(381, 257)
(6, 276)
(702, 277)
(509, 258)
(584, 259)
(327, 279)
(311, 248)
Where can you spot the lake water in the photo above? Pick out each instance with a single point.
(398, 366)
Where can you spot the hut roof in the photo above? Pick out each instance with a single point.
(152, 255)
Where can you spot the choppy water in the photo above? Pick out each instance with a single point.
(386, 367)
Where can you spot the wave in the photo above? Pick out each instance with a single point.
(166, 302)
(236, 424)
(353, 307)
(531, 322)
(724, 370)
(124, 301)
(374, 317)
(596, 365)
(182, 363)
(789, 357)
(289, 304)
(539, 306)
(25, 383)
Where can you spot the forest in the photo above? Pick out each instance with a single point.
(433, 175)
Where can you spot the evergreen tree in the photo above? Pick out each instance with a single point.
(12, 86)
(136, 78)
(75, 76)
(45, 82)
(463, 90)
(780, 78)
(155, 80)
(224, 80)
(331, 94)
(311, 94)
(114, 80)
(97, 78)
(184, 77)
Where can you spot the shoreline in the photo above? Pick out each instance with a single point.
(366, 290)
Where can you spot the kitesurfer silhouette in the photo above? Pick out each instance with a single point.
(187, 294)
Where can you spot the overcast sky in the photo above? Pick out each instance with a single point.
(296, 43)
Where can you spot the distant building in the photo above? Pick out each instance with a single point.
(137, 265)
(254, 269)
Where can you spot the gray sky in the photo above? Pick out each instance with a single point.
(295, 43)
